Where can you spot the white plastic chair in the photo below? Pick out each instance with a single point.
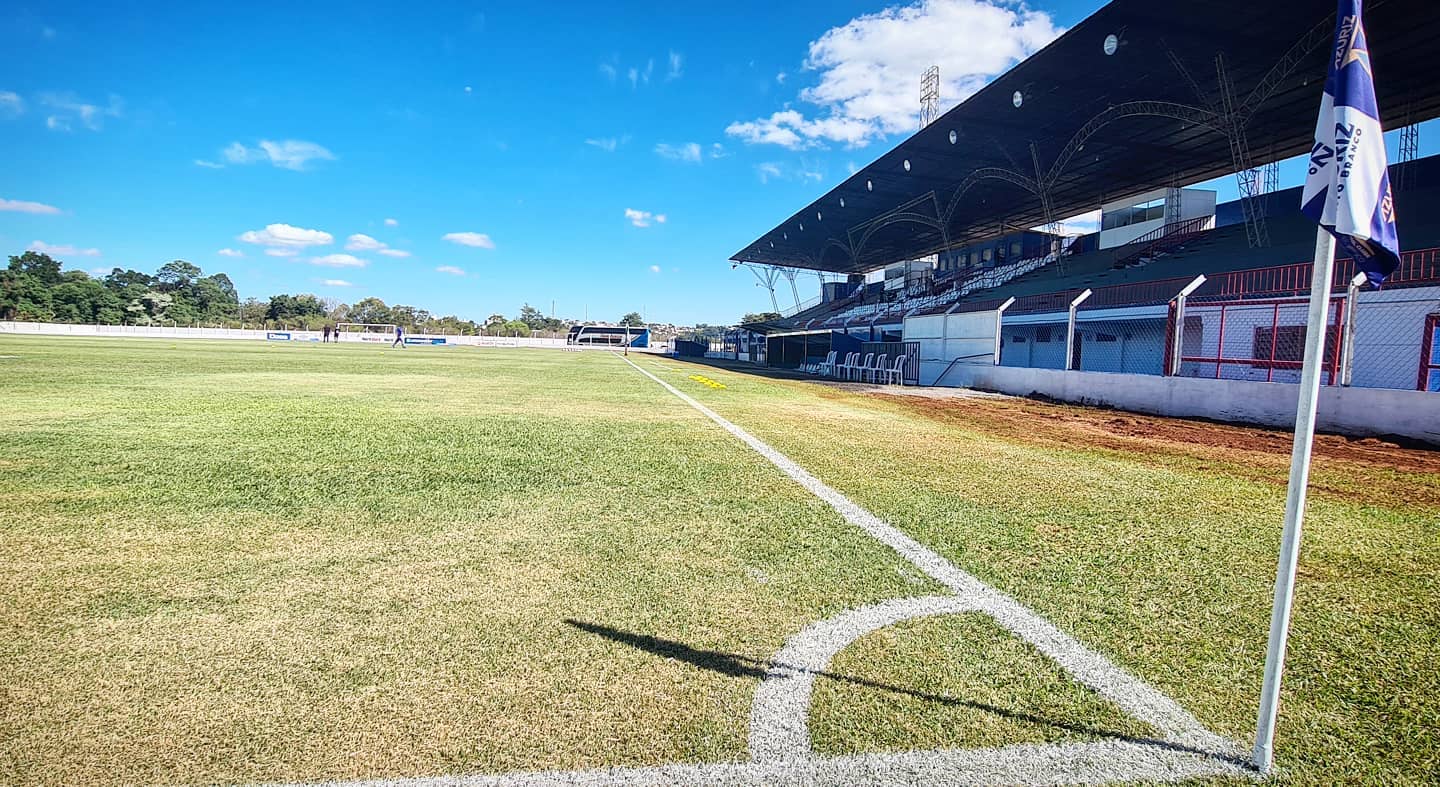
(827, 368)
(895, 373)
(873, 371)
(859, 370)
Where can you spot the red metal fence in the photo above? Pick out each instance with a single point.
(1256, 339)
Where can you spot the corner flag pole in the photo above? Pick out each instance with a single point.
(1347, 192)
(1320, 277)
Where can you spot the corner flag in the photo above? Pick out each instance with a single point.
(1348, 194)
(1348, 188)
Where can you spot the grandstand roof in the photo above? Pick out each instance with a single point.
(1102, 127)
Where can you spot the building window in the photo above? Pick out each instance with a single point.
(1105, 337)
(1285, 343)
(1042, 334)
(1015, 248)
(1134, 214)
(1286, 347)
(1017, 339)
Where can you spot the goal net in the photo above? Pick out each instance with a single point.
(365, 331)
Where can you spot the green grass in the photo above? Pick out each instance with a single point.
(247, 562)
(1161, 554)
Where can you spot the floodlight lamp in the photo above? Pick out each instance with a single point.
(869, 186)
(818, 217)
(1112, 44)
(954, 137)
(1017, 99)
(842, 202)
(907, 165)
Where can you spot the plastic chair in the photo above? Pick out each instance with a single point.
(827, 368)
(864, 364)
(896, 373)
(873, 372)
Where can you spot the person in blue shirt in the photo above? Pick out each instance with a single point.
(399, 338)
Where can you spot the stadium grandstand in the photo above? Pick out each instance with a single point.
(953, 251)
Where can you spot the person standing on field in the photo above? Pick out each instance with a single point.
(399, 338)
(325, 337)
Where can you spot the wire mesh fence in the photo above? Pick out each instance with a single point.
(1261, 340)
(1393, 343)
(1385, 339)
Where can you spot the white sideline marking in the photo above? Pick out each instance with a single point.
(1104, 762)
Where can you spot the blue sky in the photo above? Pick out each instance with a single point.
(607, 158)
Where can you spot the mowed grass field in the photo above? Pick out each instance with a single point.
(237, 562)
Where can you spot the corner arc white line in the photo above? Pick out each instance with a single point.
(780, 713)
(1134, 696)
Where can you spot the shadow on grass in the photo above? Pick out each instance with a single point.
(738, 666)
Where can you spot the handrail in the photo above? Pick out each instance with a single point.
(1166, 236)
(954, 361)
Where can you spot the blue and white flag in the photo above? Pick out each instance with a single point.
(1348, 188)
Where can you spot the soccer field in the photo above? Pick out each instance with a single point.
(248, 562)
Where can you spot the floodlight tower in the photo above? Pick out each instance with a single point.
(929, 96)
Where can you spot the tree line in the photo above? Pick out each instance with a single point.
(33, 288)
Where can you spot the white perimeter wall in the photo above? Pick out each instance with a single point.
(155, 332)
(970, 337)
(1351, 411)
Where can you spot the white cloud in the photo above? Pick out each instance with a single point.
(607, 144)
(230, 253)
(869, 69)
(451, 269)
(477, 240)
(773, 170)
(654, 268)
(21, 206)
(718, 150)
(291, 154)
(286, 237)
(67, 110)
(780, 77)
(282, 252)
(339, 261)
(11, 103)
(391, 223)
(643, 218)
(359, 242)
(200, 162)
(388, 252)
(689, 151)
(677, 66)
(63, 249)
(336, 283)
(634, 76)
(609, 71)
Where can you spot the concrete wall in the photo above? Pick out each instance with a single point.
(158, 332)
(970, 337)
(1351, 411)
